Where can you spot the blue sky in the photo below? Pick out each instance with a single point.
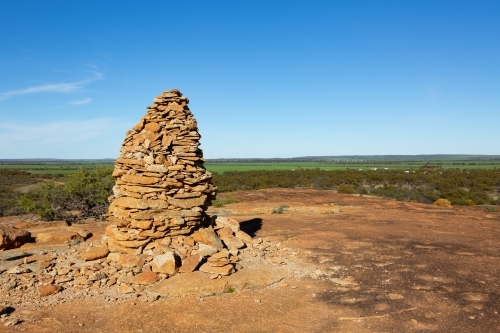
(265, 78)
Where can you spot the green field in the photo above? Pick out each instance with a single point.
(403, 165)
(339, 163)
(51, 168)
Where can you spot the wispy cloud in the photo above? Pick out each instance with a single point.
(53, 87)
(81, 101)
(57, 131)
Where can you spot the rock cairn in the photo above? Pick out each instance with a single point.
(162, 191)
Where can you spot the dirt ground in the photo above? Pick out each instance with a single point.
(381, 266)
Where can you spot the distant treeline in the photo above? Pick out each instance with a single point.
(480, 186)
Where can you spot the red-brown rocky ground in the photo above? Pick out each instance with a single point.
(377, 266)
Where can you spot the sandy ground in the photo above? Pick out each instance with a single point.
(380, 266)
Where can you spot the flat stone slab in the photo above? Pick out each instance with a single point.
(198, 283)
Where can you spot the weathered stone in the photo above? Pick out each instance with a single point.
(134, 203)
(129, 161)
(225, 232)
(245, 238)
(224, 253)
(207, 236)
(141, 224)
(190, 263)
(133, 243)
(95, 253)
(97, 276)
(233, 243)
(130, 260)
(11, 238)
(188, 203)
(115, 247)
(157, 168)
(165, 263)
(153, 127)
(142, 180)
(232, 224)
(205, 250)
(49, 289)
(163, 214)
(218, 263)
(224, 270)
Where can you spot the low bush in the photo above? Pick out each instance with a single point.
(490, 209)
(228, 199)
(443, 203)
(280, 210)
(469, 202)
(347, 189)
(85, 191)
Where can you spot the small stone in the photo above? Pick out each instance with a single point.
(222, 221)
(97, 276)
(190, 263)
(207, 236)
(125, 289)
(49, 289)
(224, 270)
(12, 322)
(85, 233)
(144, 278)
(205, 250)
(233, 243)
(165, 263)
(11, 285)
(95, 253)
(45, 264)
(131, 260)
(47, 279)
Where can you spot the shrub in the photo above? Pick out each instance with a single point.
(280, 210)
(469, 202)
(85, 191)
(490, 209)
(347, 189)
(443, 203)
(228, 199)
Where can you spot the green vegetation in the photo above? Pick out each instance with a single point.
(490, 209)
(54, 188)
(356, 162)
(280, 210)
(52, 167)
(84, 192)
(424, 185)
(228, 199)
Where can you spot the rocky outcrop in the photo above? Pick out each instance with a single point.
(11, 238)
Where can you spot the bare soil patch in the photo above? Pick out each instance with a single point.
(363, 265)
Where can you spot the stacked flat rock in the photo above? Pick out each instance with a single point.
(162, 188)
